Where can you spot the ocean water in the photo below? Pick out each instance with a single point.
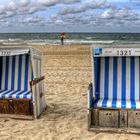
(71, 38)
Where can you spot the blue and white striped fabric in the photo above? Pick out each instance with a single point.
(15, 75)
(118, 82)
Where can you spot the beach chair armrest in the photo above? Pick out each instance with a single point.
(36, 80)
(90, 86)
(90, 96)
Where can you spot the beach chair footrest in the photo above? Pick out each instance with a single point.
(16, 106)
(115, 118)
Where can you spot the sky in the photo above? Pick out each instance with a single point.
(69, 16)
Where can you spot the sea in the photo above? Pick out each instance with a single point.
(71, 38)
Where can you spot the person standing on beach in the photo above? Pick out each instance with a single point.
(62, 37)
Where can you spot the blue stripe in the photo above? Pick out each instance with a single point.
(7, 71)
(132, 81)
(115, 75)
(123, 90)
(95, 73)
(25, 96)
(13, 73)
(26, 73)
(99, 76)
(106, 82)
(18, 95)
(19, 72)
(95, 104)
(32, 76)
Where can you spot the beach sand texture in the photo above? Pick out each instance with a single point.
(68, 72)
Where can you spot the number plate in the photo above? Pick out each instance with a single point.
(119, 52)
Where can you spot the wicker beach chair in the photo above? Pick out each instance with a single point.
(114, 95)
(21, 83)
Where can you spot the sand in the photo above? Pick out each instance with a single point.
(68, 72)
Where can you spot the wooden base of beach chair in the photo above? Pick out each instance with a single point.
(16, 106)
(22, 107)
(114, 120)
(6, 107)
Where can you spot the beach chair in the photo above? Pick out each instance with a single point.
(21, 83)
(114, 94)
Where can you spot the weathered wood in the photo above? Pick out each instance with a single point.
(115, 130)
(22, 107)
(36, 80)
(18, 106)
(115, 120)
(133, 119)
(95, 117)
(123, 118)
(108, 118)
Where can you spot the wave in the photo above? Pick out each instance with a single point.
(67, 41)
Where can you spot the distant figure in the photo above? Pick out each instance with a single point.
(62, 37)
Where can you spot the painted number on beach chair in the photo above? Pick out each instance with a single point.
(124, 52)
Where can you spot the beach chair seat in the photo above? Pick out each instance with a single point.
(117, 82)
(15, 77)
(15, 94)
(117, 104)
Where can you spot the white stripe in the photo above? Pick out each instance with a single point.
(39, 68)
(3, 72)
(10, 73)
(36, 68)
(137, 78)
(35, 73)
(110, 95)
(29, 74)
(102, 73)
(119, 81)
(99, 104)
(128, 104)
(16, 72)
(38, 98)
(23, 72)
(127, 78)
(138, 104)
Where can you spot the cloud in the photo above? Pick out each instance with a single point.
(67, 13)
(32, 21)
(54, 2)
(25, 7)
(94, 4)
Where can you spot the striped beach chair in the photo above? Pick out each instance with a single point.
(114, 95)
(21, 82)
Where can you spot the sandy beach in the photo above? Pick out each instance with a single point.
(67, 71)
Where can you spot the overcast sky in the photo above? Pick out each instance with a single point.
(69, 15)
